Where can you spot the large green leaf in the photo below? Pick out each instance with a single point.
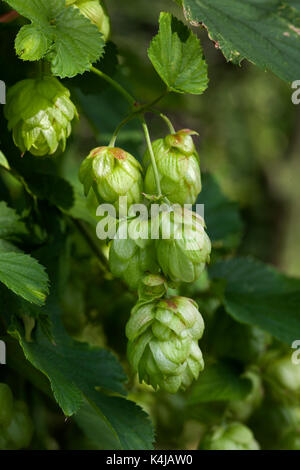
(176, 55)
(67, 38)
(266, 32)
(219, 382)
(259, 295)
(222, 218)
(24, 276)
(78, 372)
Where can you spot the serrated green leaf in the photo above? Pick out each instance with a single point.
(259, 295)
(176, 55)
(24, 276)
(266, 32)
(73, 41)
(219, 382)
(78, 44)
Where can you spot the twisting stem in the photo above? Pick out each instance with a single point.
(153, 161)
(166, 119)
(115, 84)
(117, 130)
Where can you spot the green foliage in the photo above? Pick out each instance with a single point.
(264, 32)
(25, 276)
(176, 55)
(62, 35)
(111, 332)
(277, 297)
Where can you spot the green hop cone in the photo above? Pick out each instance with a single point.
(178, 167)
(283, 377)
(96, 12)
(6, 405)
(39, 113)
(163, 342)
(233, 436)
(183, 247)
(134, 255)
(111, 173)
(31, 44)
(241, 410)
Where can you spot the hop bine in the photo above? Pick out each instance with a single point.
(178, 168)
(39, 113)
(163, 339)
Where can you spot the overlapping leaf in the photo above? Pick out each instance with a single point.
(63, 35)
(24, 276)
(259, 295)
(219, 382)
(266, 32)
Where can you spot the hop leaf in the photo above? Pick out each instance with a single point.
(178, 167)
(62, 35)
(39, 112)
(163, 342)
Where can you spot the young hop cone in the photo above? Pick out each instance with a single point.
(131, 257)
(233, 436)
(111, 173)
(39, 113)
(183, 247)
(96, 12)
(284, 378)
(178, 167)
(163, 339)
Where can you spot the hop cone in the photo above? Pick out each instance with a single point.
(39, 112)
(284, 377)
(183, 247)
(178, 167)
(234, 436)
(112, 173)
(133, 256)
(95, 11)
(163, 342)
